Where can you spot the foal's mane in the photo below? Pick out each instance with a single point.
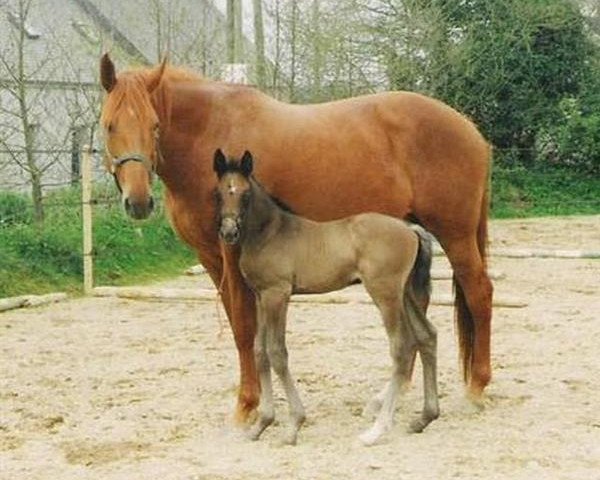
(234, 166)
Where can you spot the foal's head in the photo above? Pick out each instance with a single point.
(233, 194)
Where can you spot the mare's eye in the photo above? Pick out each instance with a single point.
(110, 128)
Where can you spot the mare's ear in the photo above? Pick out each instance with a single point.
(108, 76)
(219, 163)
(156, 76)
(246, 164)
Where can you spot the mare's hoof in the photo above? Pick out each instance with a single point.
(244, 417)
(475, 403)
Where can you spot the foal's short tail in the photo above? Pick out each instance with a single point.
(420, 280)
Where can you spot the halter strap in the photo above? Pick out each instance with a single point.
(117, 162)
(131, 157)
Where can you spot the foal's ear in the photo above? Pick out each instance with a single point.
(219, 163)
(246, 164)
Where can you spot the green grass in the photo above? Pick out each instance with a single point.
(39, 260)
(520, 193)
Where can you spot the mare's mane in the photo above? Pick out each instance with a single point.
(131, 88)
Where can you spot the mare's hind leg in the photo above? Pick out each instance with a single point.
(471, 274)
(425, 334)
(402, 351)
(278, 356)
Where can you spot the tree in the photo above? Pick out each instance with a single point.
(507, 64)
(259, 44)
(47, 108)
(19, 130)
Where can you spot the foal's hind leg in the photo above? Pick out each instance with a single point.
(402, 352)
(426, 336)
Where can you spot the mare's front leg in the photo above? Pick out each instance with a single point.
(239, 304)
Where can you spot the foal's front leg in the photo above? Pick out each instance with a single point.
(276, 313)
(266, 410)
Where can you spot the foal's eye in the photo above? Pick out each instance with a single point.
(110, 128)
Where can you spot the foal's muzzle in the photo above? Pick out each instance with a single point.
(229, 230)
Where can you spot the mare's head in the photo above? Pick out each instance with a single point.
(233, 193)
(131, 132)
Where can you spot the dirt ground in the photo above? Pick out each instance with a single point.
(98, 388)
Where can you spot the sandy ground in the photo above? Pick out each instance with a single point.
(115, 389)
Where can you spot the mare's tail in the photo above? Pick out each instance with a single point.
(463, 318)
(420, 279)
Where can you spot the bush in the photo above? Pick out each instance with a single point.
(15, 209)
(575, 141)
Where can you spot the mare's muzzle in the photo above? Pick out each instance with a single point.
(229, 230)
(135, 207)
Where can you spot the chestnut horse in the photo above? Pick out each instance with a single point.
(397, 153)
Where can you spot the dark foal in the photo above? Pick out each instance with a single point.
(283, 254)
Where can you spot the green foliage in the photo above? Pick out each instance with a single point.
(508, 64)
(518, 192)
(15, 209)
(41, 259)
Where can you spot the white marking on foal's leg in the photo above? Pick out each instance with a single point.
(385, 419)
(374, 405)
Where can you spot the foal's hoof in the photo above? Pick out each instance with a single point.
(291, 438)
(420, 423)
(254, 433)
(372, 436)
(256, 430)
(417, 425)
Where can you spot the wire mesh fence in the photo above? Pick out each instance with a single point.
(54, 249)
(121, 247)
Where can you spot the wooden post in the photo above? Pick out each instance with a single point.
(86, 202)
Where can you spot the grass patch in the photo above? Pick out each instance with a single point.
(519, 193)
(37, 259)
(40, 260)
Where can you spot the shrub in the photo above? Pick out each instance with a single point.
(15, 209)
